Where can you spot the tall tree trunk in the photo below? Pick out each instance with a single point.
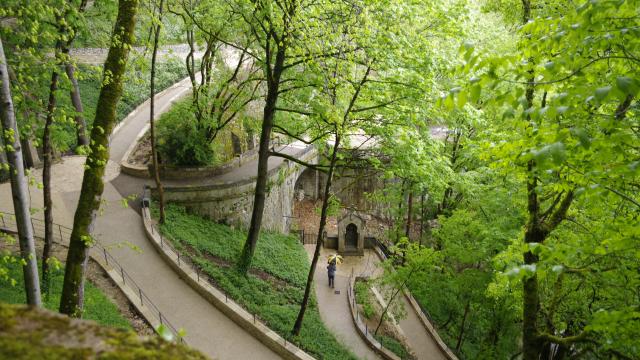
(263, 162)
(19, 187)
(72, 299)
(76, 100)
(409, 212)
(316, 254)
(421, 218)
(400, 215)
(461, 333)
(393, 298)
(4, 172)
(530, 300)
(47, 155)
(154, 150)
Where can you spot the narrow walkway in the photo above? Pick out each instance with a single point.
(334, 308)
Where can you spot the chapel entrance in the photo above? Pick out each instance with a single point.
(351, 236)
(351, 229)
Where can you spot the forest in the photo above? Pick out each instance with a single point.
(497, 142)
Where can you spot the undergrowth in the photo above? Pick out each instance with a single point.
(274, 295)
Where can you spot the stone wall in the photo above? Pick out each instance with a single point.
(232, 203)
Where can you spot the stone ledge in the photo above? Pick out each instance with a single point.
(426, 323)
(364, 334)
(221, 301)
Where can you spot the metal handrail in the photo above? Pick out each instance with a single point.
(184, 260)
(127, 280)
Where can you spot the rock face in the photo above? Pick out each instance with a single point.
(28, 333)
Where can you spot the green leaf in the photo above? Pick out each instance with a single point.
(474, 93)
(602, 92)
(627, 85)
(582, 136)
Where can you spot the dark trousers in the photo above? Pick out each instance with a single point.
(331, 281)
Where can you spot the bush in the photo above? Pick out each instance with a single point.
(363, 297)
(180, 142)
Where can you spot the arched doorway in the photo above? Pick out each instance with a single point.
(351, 236)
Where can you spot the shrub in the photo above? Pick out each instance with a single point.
(180, 142)
(97, 305)
(394, 345)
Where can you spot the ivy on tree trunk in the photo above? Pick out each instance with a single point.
(72, 299)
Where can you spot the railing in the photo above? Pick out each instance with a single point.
(62, 234)
(185, 264)
(362, 326)
(423, 314)
(307, 238)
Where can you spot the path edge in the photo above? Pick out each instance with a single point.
(217, 298)
(372, 342)
(423, 318)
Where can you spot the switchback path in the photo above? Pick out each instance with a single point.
(334, 308)
(120, 228)
(207, 329)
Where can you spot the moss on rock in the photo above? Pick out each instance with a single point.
(32, 333)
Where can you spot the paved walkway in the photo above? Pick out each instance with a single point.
(207, 329)
(334, 308)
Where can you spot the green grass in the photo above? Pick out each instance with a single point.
(97, 306)
(135, 92)
(394, 346)
(363, 297)
(275, 301)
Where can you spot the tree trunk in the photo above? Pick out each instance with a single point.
(421, 218)
(263, 162)
(316, 255)
(400, 215)
(19, 187)
(72, 299)
(392, 299)
(461, 333)
(4, 165)
(409, 212)
(154, 150)
(81, 125)
(47, 154)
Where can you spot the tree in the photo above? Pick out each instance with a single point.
(19, 188)
(152, 93)
(66, 30)
(274, 29)
(340, 129)
(71, 302)
(569, 89)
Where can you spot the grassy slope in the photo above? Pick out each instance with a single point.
(97, 306)
(136, 91)
(275, 300)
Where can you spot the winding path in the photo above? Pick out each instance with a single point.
(207, 329)
(120, 229)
